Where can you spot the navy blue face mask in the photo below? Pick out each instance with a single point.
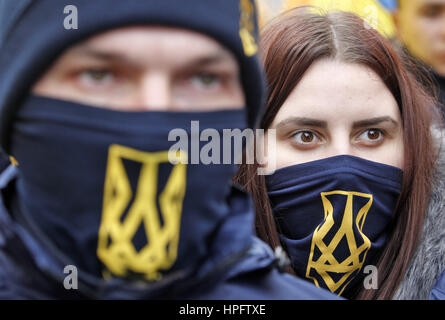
(99, 185)
(333, 216)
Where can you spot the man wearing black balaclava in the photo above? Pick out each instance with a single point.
(89, 96)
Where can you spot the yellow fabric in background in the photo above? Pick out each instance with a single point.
(370, 10)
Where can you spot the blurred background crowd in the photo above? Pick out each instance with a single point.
(416, 26)
(366, 8)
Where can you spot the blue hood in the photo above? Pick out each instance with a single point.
(32, 36)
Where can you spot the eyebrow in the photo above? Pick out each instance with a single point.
(434, 4)
(302, 121)
(310, 122)
(375, 121)
(109, 56)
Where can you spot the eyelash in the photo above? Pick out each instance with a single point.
(308, 145)
(86, 77)
(382, 135)
(197, 78)
(97, 70)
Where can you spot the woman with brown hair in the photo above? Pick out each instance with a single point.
(354, 155)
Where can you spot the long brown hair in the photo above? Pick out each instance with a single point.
(291, 43)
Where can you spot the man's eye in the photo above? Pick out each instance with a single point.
(206, 80)
(96, 76)
(305, 137)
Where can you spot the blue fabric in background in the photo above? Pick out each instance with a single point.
(389, 4)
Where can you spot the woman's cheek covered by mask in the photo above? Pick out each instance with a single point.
(332, 215)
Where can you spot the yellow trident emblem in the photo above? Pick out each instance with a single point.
(122, 217)
(324, 263)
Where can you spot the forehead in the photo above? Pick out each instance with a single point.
(334, 90)
(153, 44)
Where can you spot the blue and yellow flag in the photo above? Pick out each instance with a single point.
(377, 15)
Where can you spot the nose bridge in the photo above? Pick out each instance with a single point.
(155, 91)
(340, 143)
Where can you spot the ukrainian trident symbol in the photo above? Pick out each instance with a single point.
(124, 214)
(339, 248)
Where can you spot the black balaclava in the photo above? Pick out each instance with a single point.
(98, 183)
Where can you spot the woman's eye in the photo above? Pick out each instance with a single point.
(371, 136)
(305, 137)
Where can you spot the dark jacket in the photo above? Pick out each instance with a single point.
(440, 82)
(428, 262)
(28, 269)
